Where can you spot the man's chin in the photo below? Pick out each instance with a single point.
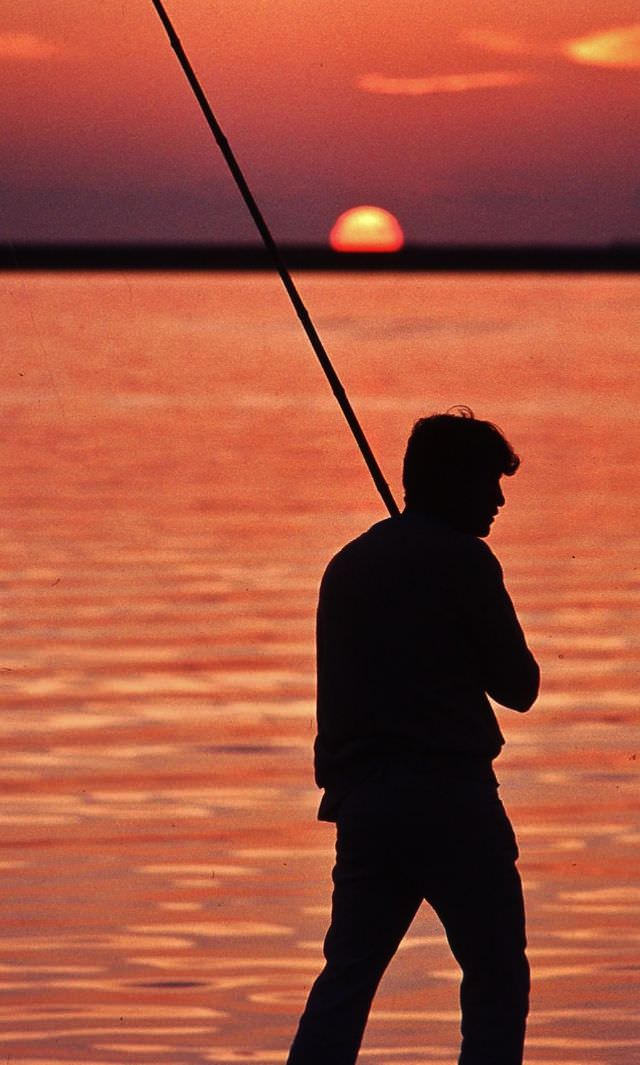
(484, 529)
(471, 524)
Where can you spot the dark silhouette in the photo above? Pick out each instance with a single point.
(415, 629)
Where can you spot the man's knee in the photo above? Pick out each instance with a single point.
(501, 984)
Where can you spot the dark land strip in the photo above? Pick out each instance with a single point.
(612, 258)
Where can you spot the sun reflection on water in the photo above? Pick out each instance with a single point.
(166, 887)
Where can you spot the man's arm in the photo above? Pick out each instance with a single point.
(510, 673)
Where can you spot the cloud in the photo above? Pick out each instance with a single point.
(618, 47)
(441, 83)
(27, 46)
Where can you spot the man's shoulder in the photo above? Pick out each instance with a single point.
(369, 539)
(365, 546)
(411, 540)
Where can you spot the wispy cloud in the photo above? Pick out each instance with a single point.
(27, 46)
(618, 47)
(441, 83)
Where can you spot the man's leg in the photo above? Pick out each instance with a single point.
(478, 897)
(372, 908)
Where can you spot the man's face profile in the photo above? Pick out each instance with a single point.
(452, 470)
(471, 502)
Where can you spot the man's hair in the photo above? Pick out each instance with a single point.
(446, 448)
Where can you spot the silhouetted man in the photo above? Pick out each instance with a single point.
(415, 629)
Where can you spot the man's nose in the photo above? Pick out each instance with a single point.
(500, 497)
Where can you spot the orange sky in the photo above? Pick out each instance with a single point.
(492, 121)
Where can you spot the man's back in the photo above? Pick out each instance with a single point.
(414, 627)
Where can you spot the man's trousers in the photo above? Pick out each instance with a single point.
(405, 835)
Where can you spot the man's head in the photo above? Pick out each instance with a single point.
(452, 469)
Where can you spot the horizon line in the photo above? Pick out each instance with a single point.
(615, 256)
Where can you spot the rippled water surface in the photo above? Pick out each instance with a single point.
(174, 477)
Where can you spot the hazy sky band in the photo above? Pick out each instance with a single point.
(517, 123)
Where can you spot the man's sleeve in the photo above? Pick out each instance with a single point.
(510, 672)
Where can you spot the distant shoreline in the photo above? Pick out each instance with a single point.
(548, 258)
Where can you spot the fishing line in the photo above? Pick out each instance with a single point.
(271, 246)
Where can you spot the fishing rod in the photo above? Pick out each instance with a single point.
(271, 246)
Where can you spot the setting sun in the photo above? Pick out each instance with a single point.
(366, 229)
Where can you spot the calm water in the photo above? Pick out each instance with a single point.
(174, 477)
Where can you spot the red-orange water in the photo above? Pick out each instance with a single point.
(175, 475)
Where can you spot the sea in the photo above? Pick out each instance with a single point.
(175, 475)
